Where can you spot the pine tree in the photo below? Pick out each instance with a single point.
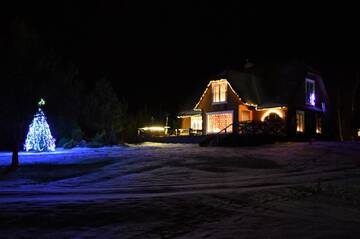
(39, 136)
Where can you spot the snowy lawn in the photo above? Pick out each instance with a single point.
(153, 190)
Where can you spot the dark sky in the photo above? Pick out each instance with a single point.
(165, 52)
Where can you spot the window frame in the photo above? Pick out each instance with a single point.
(216, 88)
(229, 130)
(299, 129)
(318, 125)
(308, 102)
(196, 121)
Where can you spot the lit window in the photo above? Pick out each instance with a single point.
(219, 121)
(300, 121)
(219, 92)
(358, 132)
(245, 115)
(196, 122)
(310, 92)
(318, 125)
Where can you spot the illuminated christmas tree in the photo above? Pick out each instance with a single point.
(39, 136)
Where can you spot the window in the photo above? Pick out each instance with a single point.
(323, 106)
(318, 125)
(196, 122)
(310, 92)
(358, 133)
(219, 92)
(300, 121)
(245, 115)
(217, 121)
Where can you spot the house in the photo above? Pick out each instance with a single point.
(291, 92)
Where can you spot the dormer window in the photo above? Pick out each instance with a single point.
(310, 92)
(219, 91)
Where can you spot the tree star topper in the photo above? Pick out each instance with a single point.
(41, 102)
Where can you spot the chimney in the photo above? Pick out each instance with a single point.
(248, 64)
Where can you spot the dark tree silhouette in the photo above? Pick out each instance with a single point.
(31, 72)
(103, 114)
(18, 92)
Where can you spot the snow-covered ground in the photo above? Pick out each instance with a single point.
(153, 190)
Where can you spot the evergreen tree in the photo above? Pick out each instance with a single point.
(39, 137)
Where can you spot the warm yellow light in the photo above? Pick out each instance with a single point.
(300, 121)
(153, 128)
(273, 111)
(196, 122)
(358, 132)
(219, 121)
(219, 91)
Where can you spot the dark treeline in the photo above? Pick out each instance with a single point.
(77, 113)
(343, 84)
(92, 112)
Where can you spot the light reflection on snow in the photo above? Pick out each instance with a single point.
(62, 156)
(80, 155)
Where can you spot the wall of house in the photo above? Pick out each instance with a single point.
(242, 108)
(295, 77)
(206, 105)
(297, 101)
(185, 123)
(294, 95)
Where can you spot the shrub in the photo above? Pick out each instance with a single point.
(77, 134)
(70, 144)
(62, 141)
(94, 144)
(97, 141)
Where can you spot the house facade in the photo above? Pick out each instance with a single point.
(292, 93)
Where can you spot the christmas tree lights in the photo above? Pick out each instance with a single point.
(39, 136)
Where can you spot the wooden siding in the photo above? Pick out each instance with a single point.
(186, 122)
(245, 108)
(206, 105)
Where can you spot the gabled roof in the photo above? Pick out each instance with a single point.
(208, 86)
(189, 113)
(246, 85)
(267, 86)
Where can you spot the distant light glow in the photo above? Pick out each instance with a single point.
(154, 128)
(358, 133)
(39, 136)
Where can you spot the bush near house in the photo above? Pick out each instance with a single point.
(250, 133)
(271, 128)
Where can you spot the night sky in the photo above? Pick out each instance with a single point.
(163, 53)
